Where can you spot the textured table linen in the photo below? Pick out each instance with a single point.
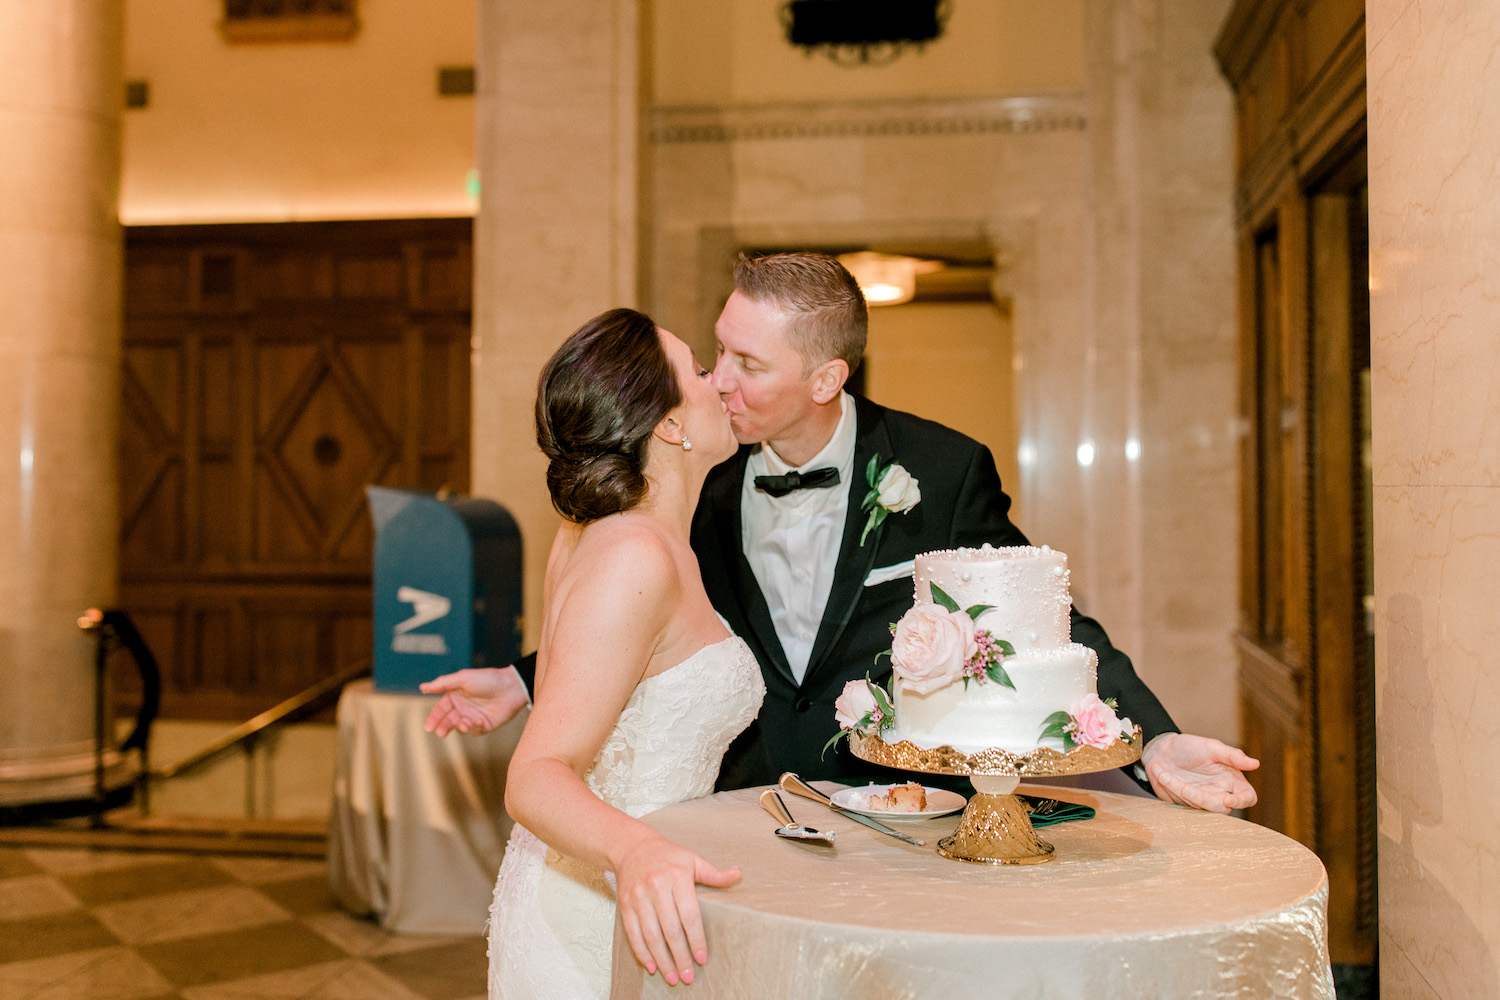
(1146, 900)
(416, 831)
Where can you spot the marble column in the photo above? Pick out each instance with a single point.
(1434, 142)
(1157, 385)
(60, 263)
(557, 237)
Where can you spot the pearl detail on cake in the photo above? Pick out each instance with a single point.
(966, 577)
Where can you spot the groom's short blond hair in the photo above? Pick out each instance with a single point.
(826, 311)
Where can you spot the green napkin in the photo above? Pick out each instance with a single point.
(1045, 812)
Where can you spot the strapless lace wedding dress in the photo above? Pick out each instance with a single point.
(552, 920)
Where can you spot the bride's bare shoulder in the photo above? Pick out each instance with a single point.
(621, 547)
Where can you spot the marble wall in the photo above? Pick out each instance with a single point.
(1434, 145)
(1158, 507)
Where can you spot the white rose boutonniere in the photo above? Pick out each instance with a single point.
(892, 489)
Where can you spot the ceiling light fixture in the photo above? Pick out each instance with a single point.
(863, 32)
(886, 279)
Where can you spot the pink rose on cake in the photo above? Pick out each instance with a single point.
(855, 706)
(931, 646)
(1090, 722)
(863, 707)
(1098, 725)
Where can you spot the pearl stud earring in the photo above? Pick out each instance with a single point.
(686, 444)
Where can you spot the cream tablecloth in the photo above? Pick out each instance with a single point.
(417, 829)
(1146, 900)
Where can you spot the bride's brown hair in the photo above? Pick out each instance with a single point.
(598, 399)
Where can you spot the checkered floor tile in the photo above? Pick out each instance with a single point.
(116, 925)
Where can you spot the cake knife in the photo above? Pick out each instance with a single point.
(790, 829)
(794, 784)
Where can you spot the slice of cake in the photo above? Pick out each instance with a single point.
(910, 797)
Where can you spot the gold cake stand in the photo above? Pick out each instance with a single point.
(996, 828)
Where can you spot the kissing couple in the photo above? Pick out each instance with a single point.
(717, 581)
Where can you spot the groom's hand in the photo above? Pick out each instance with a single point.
(477, 700)
(1199, 771)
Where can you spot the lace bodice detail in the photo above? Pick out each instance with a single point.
(674, 730)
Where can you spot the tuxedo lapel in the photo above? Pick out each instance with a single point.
(724, 494)
(855, 560)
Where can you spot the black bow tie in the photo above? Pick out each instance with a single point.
(780, 486)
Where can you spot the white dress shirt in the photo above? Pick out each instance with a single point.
(792, 542)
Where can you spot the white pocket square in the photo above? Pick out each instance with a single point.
(885, 574)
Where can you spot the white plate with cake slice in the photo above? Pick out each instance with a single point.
(899, 801)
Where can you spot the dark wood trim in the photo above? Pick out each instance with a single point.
(1244, 34)
(1276, 687)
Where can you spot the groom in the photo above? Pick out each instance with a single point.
(788, 558)
(781, 540)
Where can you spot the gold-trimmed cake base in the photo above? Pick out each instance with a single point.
(995, 830)
(1039, 763)
(996, 827)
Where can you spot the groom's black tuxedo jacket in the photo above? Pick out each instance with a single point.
(962, 505)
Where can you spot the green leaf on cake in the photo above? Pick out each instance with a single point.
(1005, 647)
(836, 737)
(940, 597)
(888, 711)
(977, 610)
(997, 673)
(1056, 725)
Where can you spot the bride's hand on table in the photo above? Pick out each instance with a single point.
(476, 700)
(1199, 771)
(655, 888)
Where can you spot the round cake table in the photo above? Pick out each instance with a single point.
(1145, 900)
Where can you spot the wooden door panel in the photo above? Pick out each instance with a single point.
(1305, 673)
(270, 374)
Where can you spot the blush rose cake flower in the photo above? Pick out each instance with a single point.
(1090, 722)
(862, 707)
(935, 644)
(931, 646)
(856, 703)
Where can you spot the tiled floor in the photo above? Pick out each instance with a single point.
(79, 924)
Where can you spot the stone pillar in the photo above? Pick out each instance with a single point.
(1434, 140)
(1158, 386)
(60, 253)
(557, 238)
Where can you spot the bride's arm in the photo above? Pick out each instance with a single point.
(611, 619)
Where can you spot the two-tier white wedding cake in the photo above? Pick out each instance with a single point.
(1019, 669)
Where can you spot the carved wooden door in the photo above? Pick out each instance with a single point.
(270, 373)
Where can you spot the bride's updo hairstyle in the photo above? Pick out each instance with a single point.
(597, 402)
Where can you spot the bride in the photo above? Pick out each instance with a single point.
(640, 687)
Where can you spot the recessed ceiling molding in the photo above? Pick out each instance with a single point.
(863, 119)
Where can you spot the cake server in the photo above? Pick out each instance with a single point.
(771, 803)
(797, 786)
